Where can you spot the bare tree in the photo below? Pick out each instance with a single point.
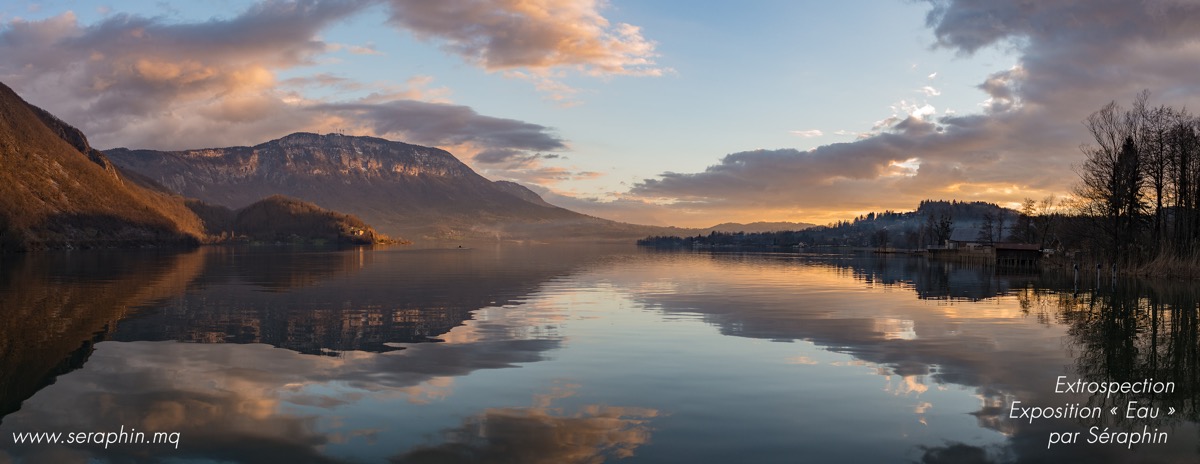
(944, 228)
(1044, 220)
(987, 228)
(1111, 183)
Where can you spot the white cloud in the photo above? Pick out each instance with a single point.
(807, 133)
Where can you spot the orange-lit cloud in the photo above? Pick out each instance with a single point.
(537, 34)
(142, 82)
(532, 40)
(540, 435)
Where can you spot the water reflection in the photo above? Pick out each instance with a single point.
(1112, 331)
(662, 357)
(1139, 330)
(249, 403)
(331, 302)
(540, 434)
(54, 307)
(240, 400)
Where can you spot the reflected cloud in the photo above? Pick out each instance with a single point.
(57, 307)
(250, 403)
(254, 403)
(908, 385)
(926, 323)
(541, 434)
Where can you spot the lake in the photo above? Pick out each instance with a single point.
(559, 354)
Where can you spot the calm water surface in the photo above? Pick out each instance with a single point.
(549, 354)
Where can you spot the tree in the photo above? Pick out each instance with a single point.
(1153, 141)
(881, 238)
(1110, 190)
(1044, 221)
(1001, 218)
(986, 228)
(929, 230)
(943, 228)
(1024, 230)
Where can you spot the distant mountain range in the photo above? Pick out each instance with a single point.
(56, 191)
(755, 227)
(403, 190)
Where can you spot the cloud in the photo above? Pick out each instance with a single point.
(541, 435)
(368, 49)
(807, 133)
(147, 83)
(131, 80)
(1073, 57)
(511, 34)
(929, 91)
(550, 84)
(444, 124)
(535, 41)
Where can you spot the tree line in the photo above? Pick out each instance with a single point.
(930, 225)
(1140, 183)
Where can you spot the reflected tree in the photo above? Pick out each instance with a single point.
(1139, 330)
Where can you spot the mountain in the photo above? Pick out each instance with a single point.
(279, 218)
(760, 226)
(404, 190)
(57, 191)
(522, 192)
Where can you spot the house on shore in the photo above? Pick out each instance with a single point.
(965, 238)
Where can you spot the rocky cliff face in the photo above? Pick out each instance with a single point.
(227, 175)
(405, 190)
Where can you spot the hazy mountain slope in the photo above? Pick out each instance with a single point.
(55, 190)
(759, 227)
(522, 192)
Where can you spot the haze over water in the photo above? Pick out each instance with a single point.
(577, 354)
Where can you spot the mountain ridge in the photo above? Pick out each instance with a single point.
(56, 191)
(402, 189)
(759, 226)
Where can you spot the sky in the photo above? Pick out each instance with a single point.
(664, 112)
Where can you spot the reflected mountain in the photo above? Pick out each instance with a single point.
(889, 353)
(349, 300)
(55, 306)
